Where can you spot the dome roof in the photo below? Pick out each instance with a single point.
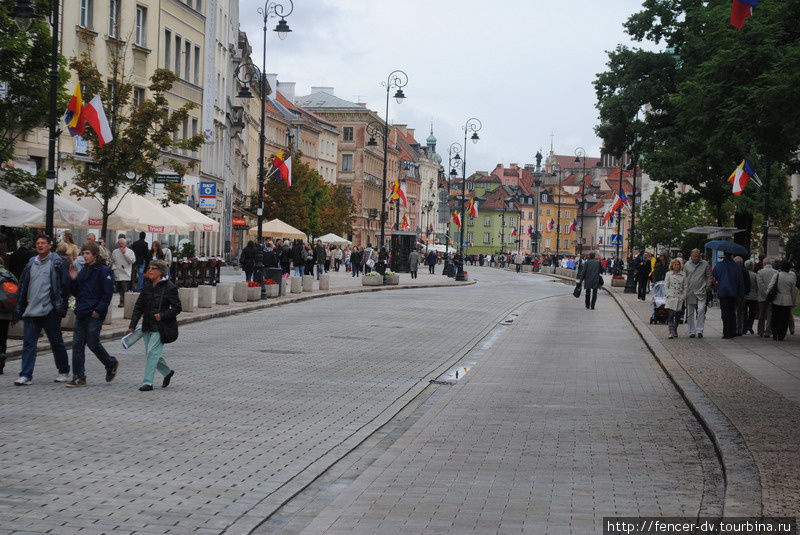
(431, 139)
(437, 158)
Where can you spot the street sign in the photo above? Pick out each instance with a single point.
(616, 239)
(174, 178)
(239, 223)
(208, 194)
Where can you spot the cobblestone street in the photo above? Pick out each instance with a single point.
(546, 433)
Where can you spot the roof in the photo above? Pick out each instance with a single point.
(301, 111)
(568, 162)
(326, 101)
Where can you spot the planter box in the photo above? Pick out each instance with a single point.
(286, 286)
(392, 280)
(68, 322)
(324, 282)
(205, 296)
(254, 293)
(272, 290)
(371, 281)
(240, 292)
(308, 283)
(224, 293)
(618, 283)
(297, 284)
(527, 268)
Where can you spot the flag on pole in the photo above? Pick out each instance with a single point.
(472, 208)
(741, 10)
(530, 230)
(406, 224)
(73, 113)
(284, 168)
(573, 226)
(551, 224)
(741, 176)
(94, 114)
(514, 231)
(399, 192)
(456, 219)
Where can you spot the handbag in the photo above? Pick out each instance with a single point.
(166, 337)
(600, 281)
(577, 291)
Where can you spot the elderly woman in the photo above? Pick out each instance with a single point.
(675, 286)
(784, 286)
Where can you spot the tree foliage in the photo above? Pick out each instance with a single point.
(665, 217)
(311, 204)
(142, 135)
(713, 96)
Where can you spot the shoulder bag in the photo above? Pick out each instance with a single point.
(577, 291)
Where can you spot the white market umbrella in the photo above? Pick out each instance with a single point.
(332, 238)
(15, 212)
(150, 217)
(278, 229)
(191, 217)
(119, 220)
(66, 212)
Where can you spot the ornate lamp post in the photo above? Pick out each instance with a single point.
(472, 125)
(24, 13)
(455, 147)
(580, 156)
(396, 79)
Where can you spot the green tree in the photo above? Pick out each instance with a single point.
(713, 96)
(142, 135)
(665, 217)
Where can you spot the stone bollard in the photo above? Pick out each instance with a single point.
(272, 290)
(325, 282)
(308, 283)
(297, 285)
(224, 293)
(240, 292)
(188, 297)
(205, 296)
(130, 301)
(527, 268)
(254, 293)
(68, 321)
(286, 286)
(108, 319)
(15, 330)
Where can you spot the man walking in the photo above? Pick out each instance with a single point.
(320, 255)
(730, 287)
(43, 294)
(431, 261)
(589, 275)
(698, 279)
(764, 277)
(642, 274)
(93, 288)
(142, 252)
(413, 263)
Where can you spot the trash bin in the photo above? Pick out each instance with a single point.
(274, 274)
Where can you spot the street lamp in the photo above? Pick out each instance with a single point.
(580, 156)
(455, 147)
(472, 125)
(23, 14)
(558, 214)
(396, 79)
(248, 74)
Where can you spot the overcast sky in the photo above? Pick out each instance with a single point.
(523, 67)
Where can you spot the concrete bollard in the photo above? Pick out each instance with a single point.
(254, 293)
(325, 282)
(188, 297)
(240, 292)
(108, 319)
(286, 286)
(297, 285)
(224, 293)
(130, 301)
(205, 296)
(308, 283)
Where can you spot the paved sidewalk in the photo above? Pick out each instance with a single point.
(567, 419)
(755, 382)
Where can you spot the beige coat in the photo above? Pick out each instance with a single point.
(675, 287)
(121, 263)
(698, 278)
(787, 288)
(764, 277)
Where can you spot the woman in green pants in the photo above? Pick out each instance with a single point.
(158, 306)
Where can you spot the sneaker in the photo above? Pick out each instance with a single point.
(111, 371)
(692, 335)
(699, 335)
(23, 381)
(145, 388)
(167, 379)
(76, 382)
(62, 378)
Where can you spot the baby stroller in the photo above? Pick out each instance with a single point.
(660, 312)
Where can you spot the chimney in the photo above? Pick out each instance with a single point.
(287, 90)
(327, 90)
(410, 132)
(272, 80)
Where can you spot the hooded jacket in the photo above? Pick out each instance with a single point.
(59, 286)
(93, 289)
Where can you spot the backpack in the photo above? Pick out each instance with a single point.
(9, 291)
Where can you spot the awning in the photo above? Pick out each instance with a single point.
(278, 229)
(150, 217)
(15, 212)
(332, 238)
(191, 217)
(66, 212)
(119, 220)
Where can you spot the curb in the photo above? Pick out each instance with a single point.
(116, 332)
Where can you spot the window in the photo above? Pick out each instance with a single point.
(113, 18)
(487, 221)
(547, 243)
(347, 162)
(567, 214)
(167, 49)
(141, 26)
(194, 131)
(347, 134)
(138, 97)
(187, 60)
(199, 5)
(177, 69)
(487, 238)
(87, 12)
(548, 211)
(470, 221)
(196, 65)
(530, 215)
(469, 236)
(511, 221)
(539, 228)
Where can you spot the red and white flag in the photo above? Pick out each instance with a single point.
(93, 114)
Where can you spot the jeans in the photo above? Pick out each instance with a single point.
(320, 270)
(30, 338)
(672, 322)
(139, 276)
(248, 275)
(299, 271)
(752, 314)
(696, 316)
(590, 301)
(155, 357)
(431, 268)
(780, 321)
(641, 289)
(87, 333)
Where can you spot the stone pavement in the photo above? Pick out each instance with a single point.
(261, 404)
(340, 282)
(755, 382)
(566, 419)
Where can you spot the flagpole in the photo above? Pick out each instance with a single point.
(765, 189)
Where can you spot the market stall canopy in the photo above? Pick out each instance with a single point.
(15, 212)
(191, 217)
(332, 238)
(151, 217)
(66, 212)
(121, 219)
(278, 229)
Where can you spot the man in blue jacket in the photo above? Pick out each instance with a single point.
(93, 288)
(43, 293)
(729, 281)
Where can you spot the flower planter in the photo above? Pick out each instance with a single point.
(374, 280)
(392, 280)
(254, 293)
(272, 290)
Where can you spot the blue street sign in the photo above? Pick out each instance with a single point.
(208, 195)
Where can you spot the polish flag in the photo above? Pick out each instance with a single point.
(93, 114)
(457, 219)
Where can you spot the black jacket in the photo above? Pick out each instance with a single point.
(142, 252)
(271, 259)
(162, 299)
(18, 260)
(248, 258)
(286, 254)
(299, 254)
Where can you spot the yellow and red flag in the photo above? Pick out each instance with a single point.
(472, 207)
(73, 113)
(456, 219)
(284, 168)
